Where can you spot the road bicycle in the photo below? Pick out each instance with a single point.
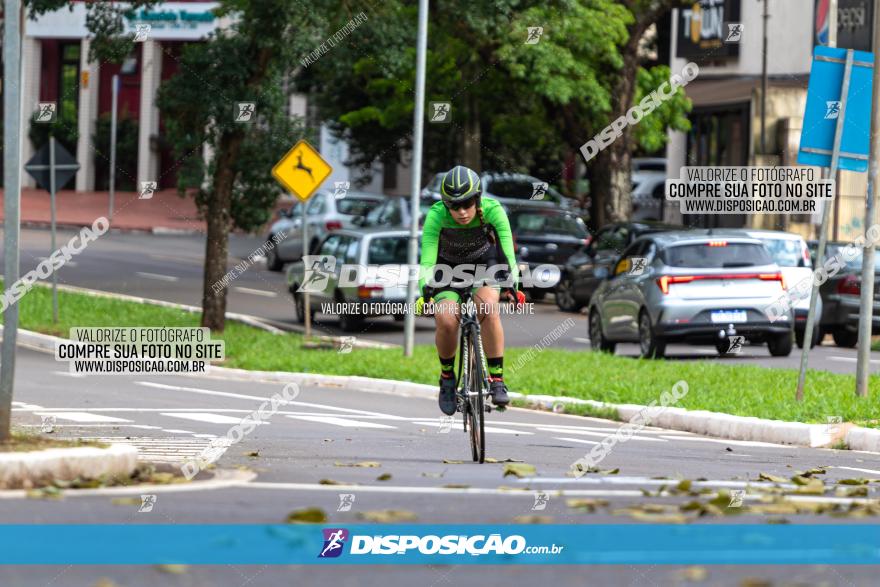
(472, 382)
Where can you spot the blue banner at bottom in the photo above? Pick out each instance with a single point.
(570, 544)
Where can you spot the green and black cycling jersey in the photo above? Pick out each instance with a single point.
(446, 241)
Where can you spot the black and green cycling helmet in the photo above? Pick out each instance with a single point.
(460, 184)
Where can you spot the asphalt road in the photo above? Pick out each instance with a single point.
(169, 267)
(172, 418)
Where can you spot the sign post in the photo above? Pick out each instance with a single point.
(113, 108)
(12, 25)
(866, 305)
(301, 171)
(52, 167)
(838, 105)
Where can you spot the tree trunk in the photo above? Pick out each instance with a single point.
(218, 219)
(617, 158)
(470, 140)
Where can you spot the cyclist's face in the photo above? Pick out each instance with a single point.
(464, 215)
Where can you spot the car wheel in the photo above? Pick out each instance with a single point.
(273, 261)
(799, 337)
(780, 345)
(845, 338)
(536, 296)
(348, 322)
(598, 342)
(565, 297)
(299, 306)
(650, 345)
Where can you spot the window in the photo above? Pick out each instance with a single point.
(388, 250)
(707, 256)
(316, 206)
(355, 206)
(546, 223)
(348, 249)
(785, 252)
(612, 239)
(330, 244)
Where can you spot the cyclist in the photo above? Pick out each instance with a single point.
(465, 228)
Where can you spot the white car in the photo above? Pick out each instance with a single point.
(326, 212)
(791, 253)
(648, 185)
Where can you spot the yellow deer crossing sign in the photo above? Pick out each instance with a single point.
(302, 170)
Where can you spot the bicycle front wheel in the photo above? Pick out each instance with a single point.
(477, 388)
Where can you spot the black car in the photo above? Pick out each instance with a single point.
(590, 264)
(841, 295)
(544, 235)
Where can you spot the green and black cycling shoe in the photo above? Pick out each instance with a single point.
(447, 396)
(499, 393)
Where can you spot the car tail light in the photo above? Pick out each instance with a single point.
(333, 225)
(664, 281)
(717, 243)
(370, 291)
(849, 285)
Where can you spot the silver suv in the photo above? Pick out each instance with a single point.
(693, 287)
(326, 212)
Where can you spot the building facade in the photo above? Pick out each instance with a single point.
(726, 120)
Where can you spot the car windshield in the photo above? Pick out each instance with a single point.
(355, 206)
(385, 250)
(716, 255)
(546, 223)
(786, 252)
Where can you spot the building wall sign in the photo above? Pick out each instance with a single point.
(854, 18)
(702, 29)
(178, 21)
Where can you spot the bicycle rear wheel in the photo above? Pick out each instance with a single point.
(477, 389)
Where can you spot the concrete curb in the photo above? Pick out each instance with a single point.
(158, 230)
(697, 421)
(66, 463)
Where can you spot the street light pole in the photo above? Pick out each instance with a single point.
(866, 303)
(764, 85)
(113, 107)
(12, 25)
(418, 131)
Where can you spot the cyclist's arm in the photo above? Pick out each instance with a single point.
(497, 217)
(430, 244)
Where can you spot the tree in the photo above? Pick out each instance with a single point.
(612, 189)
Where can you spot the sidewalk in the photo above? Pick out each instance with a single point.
(165, 211)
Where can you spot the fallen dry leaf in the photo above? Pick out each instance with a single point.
(387, 516)
(307, 516)
(519, 470)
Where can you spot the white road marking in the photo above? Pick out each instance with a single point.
(575, 440)
(166, 450)
(81, 417)
(69, 374)
(581, 340)
(262, 399)
(177, 431)
(732, 442)
(443, 490)
(337, 421)
(207, 417)
(115, 425)
(872, 471)
(256, 292)
(850, 359)
(23, 406)
(157, 276)
(617, 480)
(597, 434)
(493, 429)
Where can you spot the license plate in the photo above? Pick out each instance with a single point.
(730, 316)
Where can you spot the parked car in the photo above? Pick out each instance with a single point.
(648, 188)
(544, 236)
(693, 287)
(790, 252)
(841, 295)
(364, 247)
(325, 213)
(582, 272)
(393, 212)
(511, 188)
